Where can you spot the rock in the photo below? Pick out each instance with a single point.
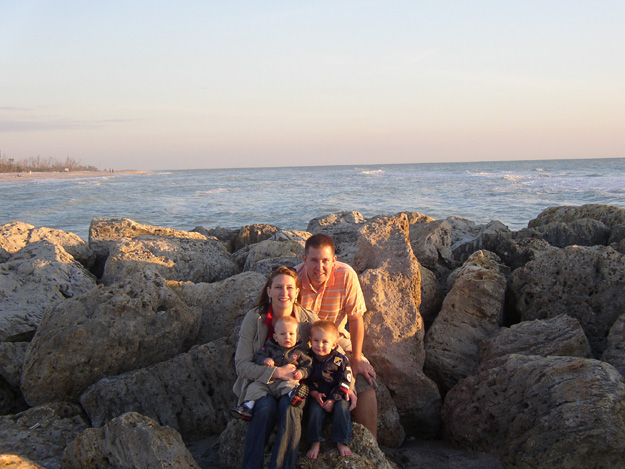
(610, 215)
(586, 283)
(41, 433)
(105, 332)
(14, 236)
(225, 235)
(366, 453)
(618, 234)
(291, 235)
(585, 232)
(73, 244)
(129, 441)
(391, 433)
(343, 228)
(431, 244)
(270, 249)
(11, 360)
(266, 266)
(541, 412)
(485, 237)
(191, 392)
(614, 353)
(252, 234)
(516, 253)
(222, 304)
(472, 311)
(105, 232)
(562, 335)
(180, 259)
(37, 277)
(431, 297)
(12, 461)
(391, 284)
(4, 255)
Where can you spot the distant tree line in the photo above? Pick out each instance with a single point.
(37, 163)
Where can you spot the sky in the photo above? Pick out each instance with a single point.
(155, 84)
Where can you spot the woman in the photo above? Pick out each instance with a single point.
(278, 298)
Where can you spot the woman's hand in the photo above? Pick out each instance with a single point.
(284, 372)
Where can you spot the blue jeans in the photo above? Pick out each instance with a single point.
(341, 431)
(268, 411)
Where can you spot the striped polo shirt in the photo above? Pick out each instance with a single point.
(338, 298)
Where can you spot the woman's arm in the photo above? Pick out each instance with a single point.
(248, 343)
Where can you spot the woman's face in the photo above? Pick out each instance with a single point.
(283, 293)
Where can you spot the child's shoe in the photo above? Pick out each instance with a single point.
(242, 412)
(299, 395)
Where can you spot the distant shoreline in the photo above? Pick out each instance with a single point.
(36, 175)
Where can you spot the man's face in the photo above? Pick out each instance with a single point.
(319, 264)
(286, 335)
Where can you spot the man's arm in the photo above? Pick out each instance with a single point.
(357, 333)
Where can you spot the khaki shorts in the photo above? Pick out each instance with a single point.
(361, 383)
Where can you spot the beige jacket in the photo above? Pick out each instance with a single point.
(252, 337)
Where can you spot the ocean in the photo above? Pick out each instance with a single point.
(512, 192)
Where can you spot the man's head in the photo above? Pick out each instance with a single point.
(319, 258)
(324, 337)
(285, 332)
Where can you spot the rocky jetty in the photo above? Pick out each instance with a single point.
(502, 348)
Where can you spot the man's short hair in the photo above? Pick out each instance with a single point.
(318, 241)
(326, 326)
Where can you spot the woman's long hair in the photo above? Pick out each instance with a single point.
(263, 300)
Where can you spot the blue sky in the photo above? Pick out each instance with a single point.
(181, 85)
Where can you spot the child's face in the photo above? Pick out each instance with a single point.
(285, 334)
(323, 342)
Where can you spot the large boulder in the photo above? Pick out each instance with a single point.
(541, 412)
(105, 232)
(586, 283)
(191, 392)
(366, 453)
(180, 259)
(252, 234)
(431, 244)
(562, 335)
(614, 353)
(585, 232)
(431, 296)
(11, 360)
(468, 237)
(128, 442)
(609, 215)
(105, 332)
(516, 253)
(391, 284)
(472, 311)
(14, 236)
(343, 227)
(37, 277)
(41, 433)
(270, 249)
(222, 304)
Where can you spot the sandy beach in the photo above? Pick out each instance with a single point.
(28, 176)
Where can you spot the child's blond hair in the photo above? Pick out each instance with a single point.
(326, 326)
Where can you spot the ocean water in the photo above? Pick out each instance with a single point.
(512, 192)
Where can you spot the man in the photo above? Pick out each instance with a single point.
(332, 290)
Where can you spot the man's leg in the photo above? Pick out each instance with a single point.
(366, 411)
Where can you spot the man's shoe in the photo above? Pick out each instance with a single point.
(241, 412)
(299, 395)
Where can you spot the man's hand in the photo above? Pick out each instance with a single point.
(363, 367)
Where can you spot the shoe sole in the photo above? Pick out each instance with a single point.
(301, 393)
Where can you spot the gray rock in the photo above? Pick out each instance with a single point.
(541, 412)
(252, 234)
(472, 238)
(12, 355)
(471, 312)
(585, 232)
(191, 392)
(105, 232)
(180, 259)
(266, 266)
(366, 453)
(73, 244)
(343, 227)
(391, 284)
(562, 335)
(14, 236)
(610, 215)
(129, 441)
(225, 235)
(222, 305)
(36, 278)
(41, 433)
(617, 234)
(107, 331)
(270, 249)
(586, 283)
(431, 297)
(614, 353)
(391, 433)
(431, 244)
(516, 253)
